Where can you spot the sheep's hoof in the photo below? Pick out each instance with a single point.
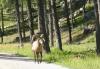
(41, 61)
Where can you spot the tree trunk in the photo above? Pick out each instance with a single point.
(30, 17)
(46, 17)
(84, 15)
(97, 14)
(2, 29)
(46, 20)
(22, 20)
(71, 13)
(51, 24)
(42, 27)
(68, 20)
(18, 21)
(56, 25)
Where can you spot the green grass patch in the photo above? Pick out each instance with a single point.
(8, 23)
(14, 48)
(89, 6)
(74, 56)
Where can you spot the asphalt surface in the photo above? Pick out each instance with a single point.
(12, 62)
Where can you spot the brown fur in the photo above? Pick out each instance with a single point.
(37, 49)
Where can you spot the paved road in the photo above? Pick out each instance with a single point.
(20, 63)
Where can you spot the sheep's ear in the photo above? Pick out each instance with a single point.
(33, 37)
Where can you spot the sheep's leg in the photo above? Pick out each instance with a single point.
(37, 57)
(41, 57)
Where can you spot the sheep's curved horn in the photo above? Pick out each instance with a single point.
(41, 35)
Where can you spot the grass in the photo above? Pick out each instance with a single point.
(89, 6)
(13, 48)
(8, 23)
(74, 56)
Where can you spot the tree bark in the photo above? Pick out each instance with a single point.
(71, 13)
(42, 27)
(56, 25)
(30, 17)
(22, 20)
(84, 15)
(18, 21)
(51, 24)
(2, 29)
(97, 14)
(46, 17)
(68, 20)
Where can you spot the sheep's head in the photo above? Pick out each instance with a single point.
(42, 40)
(35, 37)
(39, 36)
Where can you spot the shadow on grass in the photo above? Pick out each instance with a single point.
(82, 54)
(65, 55)
(26, 39)
(53, 56)
(81, 37)
(10, 30)
(17, 57)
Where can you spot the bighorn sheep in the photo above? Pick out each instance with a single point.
(37, 47)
